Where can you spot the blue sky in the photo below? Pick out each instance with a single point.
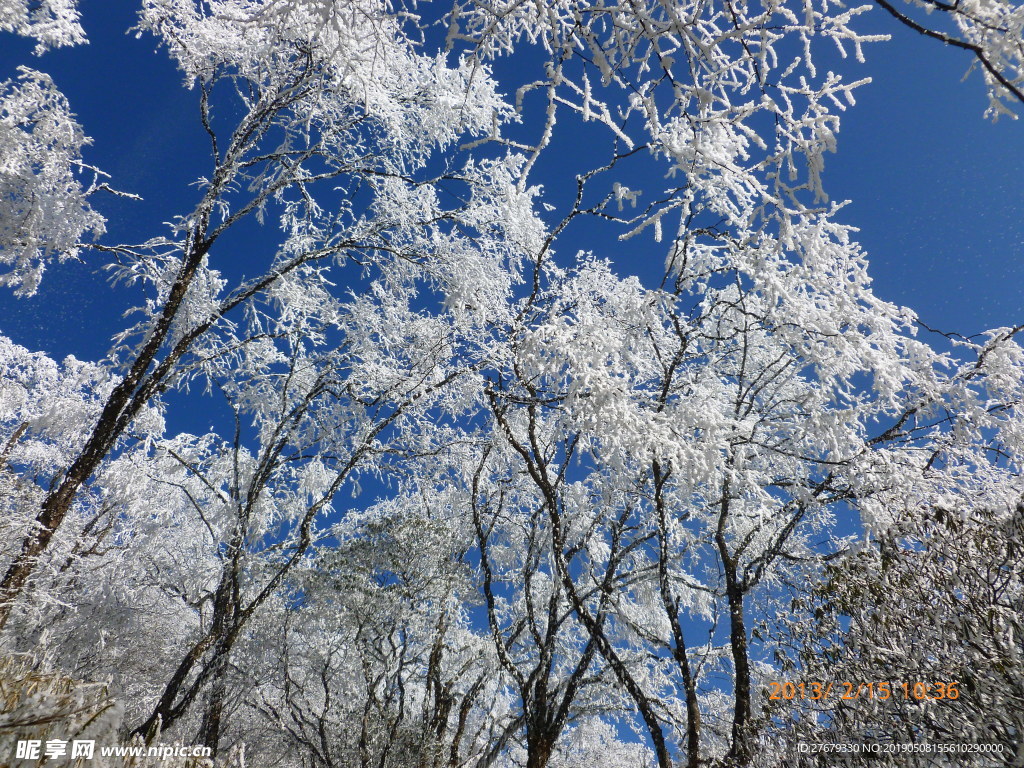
(936, 190)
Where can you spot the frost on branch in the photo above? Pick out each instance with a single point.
(40, 703)
(996, 29)
(53, 23)
(44, 208)
(727, 94)
(993, 30)
(46, 411)
(362, 49)
(46, 407)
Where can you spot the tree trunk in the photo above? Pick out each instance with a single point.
(123, 404)
(538, 750)
(739, 752)
(209, 735)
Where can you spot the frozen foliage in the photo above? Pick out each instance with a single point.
(53, 23)
(56, 711)
(46, 412)
(470, 497)
(46, 408)
(992, 31)
(46, 209)
(361, 52)
(41, 704)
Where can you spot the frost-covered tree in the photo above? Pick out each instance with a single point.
(471, 497)
(46, 210)
(935, 603)
(381, 666)
(681, 501)
(52, 23)
(308, 123)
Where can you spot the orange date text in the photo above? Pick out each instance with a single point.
(875, 689)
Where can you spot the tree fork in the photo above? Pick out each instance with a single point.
(739, 751)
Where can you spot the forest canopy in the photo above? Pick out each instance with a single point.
(391, 458)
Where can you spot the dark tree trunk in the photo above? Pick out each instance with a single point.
(124, 403)
(209, 735)
(739, 752)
